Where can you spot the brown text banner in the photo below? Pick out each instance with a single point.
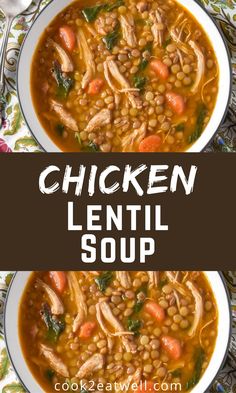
(118, 211)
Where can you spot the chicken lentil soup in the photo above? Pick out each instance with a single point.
(124, 76)
(124, 327)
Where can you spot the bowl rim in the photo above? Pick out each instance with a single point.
(58, 150)
(214, 377)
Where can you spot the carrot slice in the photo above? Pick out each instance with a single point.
(68, 37)
(172, 346)
(160, 69)
(95, 86)
(151, 144)
(176, 102)
(155, 310)
(59, 280)
(87, 329)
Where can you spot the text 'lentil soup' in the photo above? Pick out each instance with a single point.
(124, 76)
(124, 327)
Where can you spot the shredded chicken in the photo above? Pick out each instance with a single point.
(54, 361)
(177, 34)
(157, 18)
(87, 56)
(66, 63)
(132, 139)
(200, 66)
(175, 284)
(153, 279)
(104, 311)
(64, 116)
(111, 68)
(124, 279)
(131, 379)
(101, 119)
(78, 296)
(92, 365)
(198, 308)
(56, 304)
(128, 29)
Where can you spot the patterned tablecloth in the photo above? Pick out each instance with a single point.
(226, 382)
(16, 137)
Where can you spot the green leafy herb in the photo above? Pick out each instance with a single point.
(199, 360)
(64, 82)
(91, 148)
(167, 42)
(180, 127)
(144, 62)
(59, 129)
(111, 39)
(54, 325)
(103, 280)
(134, 326)
(139, 82)
(111, 7)
(140, 295)
(49, 374)
(201, 115)
(91, 13)
(176, 373)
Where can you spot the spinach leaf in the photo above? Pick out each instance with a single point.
(176, 373)
(103, 280)
(111, 7)
(111, 39)
(54, 325)
(201, 115)
(180, 127)
(60, 128)
(140, 294)
(134, 326)
(90, 148)
(144, 62)
(91, 13)
(49, 374)
(162, 283)
(199, 360)
(64, 82)
(167, 42)
(139, 82)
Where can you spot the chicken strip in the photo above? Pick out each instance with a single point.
(128, 29)
(56, 304)
(201, 66)
(153, 279)
(110, 67)
(101, 119)
(54, 361)
(198, 308)
(87, 56)
(64, 116)
(124, 279)
(92, 365)
(78, 297)
(66, 63)
(128, 343)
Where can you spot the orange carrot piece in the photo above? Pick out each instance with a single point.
(68, 37)
(155, 310)
(176, 102)
(172, 346)
(87, 329)
(160, 69)
(59, 280)
(95, 86)
(151, 144)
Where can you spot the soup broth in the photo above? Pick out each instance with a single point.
(124, 76)
(124, 327)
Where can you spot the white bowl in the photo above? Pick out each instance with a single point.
(11, 320)
(55, 7)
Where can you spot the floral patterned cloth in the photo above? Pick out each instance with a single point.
(226, 382)
(15, 136)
